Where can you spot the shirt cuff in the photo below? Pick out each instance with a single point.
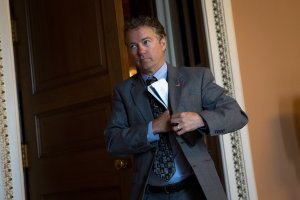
(151, 137)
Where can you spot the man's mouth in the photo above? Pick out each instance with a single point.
(142, 59)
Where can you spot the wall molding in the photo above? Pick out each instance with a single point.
(236, 152)
(6, 189)
(11, 171)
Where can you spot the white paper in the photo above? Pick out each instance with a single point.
(159, 90)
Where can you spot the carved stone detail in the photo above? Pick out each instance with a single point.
(5, 160)
(228, 84)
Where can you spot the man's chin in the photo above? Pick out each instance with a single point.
(146, 69)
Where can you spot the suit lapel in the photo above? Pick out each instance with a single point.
(139, 97)
(175, 84)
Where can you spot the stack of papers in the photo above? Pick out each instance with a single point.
(159, 90)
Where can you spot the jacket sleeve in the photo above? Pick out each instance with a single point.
(122, 137)
(221, 112)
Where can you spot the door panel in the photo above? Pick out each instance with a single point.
(69, 55)
(67, 42)
(68, 124)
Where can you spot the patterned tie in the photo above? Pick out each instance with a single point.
(163, 165)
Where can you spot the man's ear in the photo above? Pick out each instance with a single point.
(163, 42)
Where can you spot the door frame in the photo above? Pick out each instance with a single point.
(235, 147)
(239, 178)
(11, 168)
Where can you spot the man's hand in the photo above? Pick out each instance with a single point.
(162, 123)
(183, 122)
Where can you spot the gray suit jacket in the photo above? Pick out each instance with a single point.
(191, 89)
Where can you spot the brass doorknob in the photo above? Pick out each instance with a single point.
(120, 164)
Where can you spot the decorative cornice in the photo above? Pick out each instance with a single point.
(228, 84)
(5, 160)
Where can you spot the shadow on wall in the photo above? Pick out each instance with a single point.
(290, 124)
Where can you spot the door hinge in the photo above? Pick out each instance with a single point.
(14, 31)
(25, 155)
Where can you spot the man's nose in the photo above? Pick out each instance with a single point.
(141, 50)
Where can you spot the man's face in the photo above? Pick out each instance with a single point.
(146, 50)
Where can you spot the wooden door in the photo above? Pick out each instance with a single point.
(69, 54)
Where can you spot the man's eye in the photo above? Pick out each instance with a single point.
(132, 46)
(146, 42)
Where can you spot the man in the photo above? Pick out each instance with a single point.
(141, 127)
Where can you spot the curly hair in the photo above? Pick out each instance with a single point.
(145, 21)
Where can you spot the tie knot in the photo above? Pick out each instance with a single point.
(151, 80)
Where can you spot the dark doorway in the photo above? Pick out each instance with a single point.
(135, 8)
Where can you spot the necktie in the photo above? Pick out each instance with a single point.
(163, 164)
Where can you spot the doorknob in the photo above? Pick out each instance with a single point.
(120, 164)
